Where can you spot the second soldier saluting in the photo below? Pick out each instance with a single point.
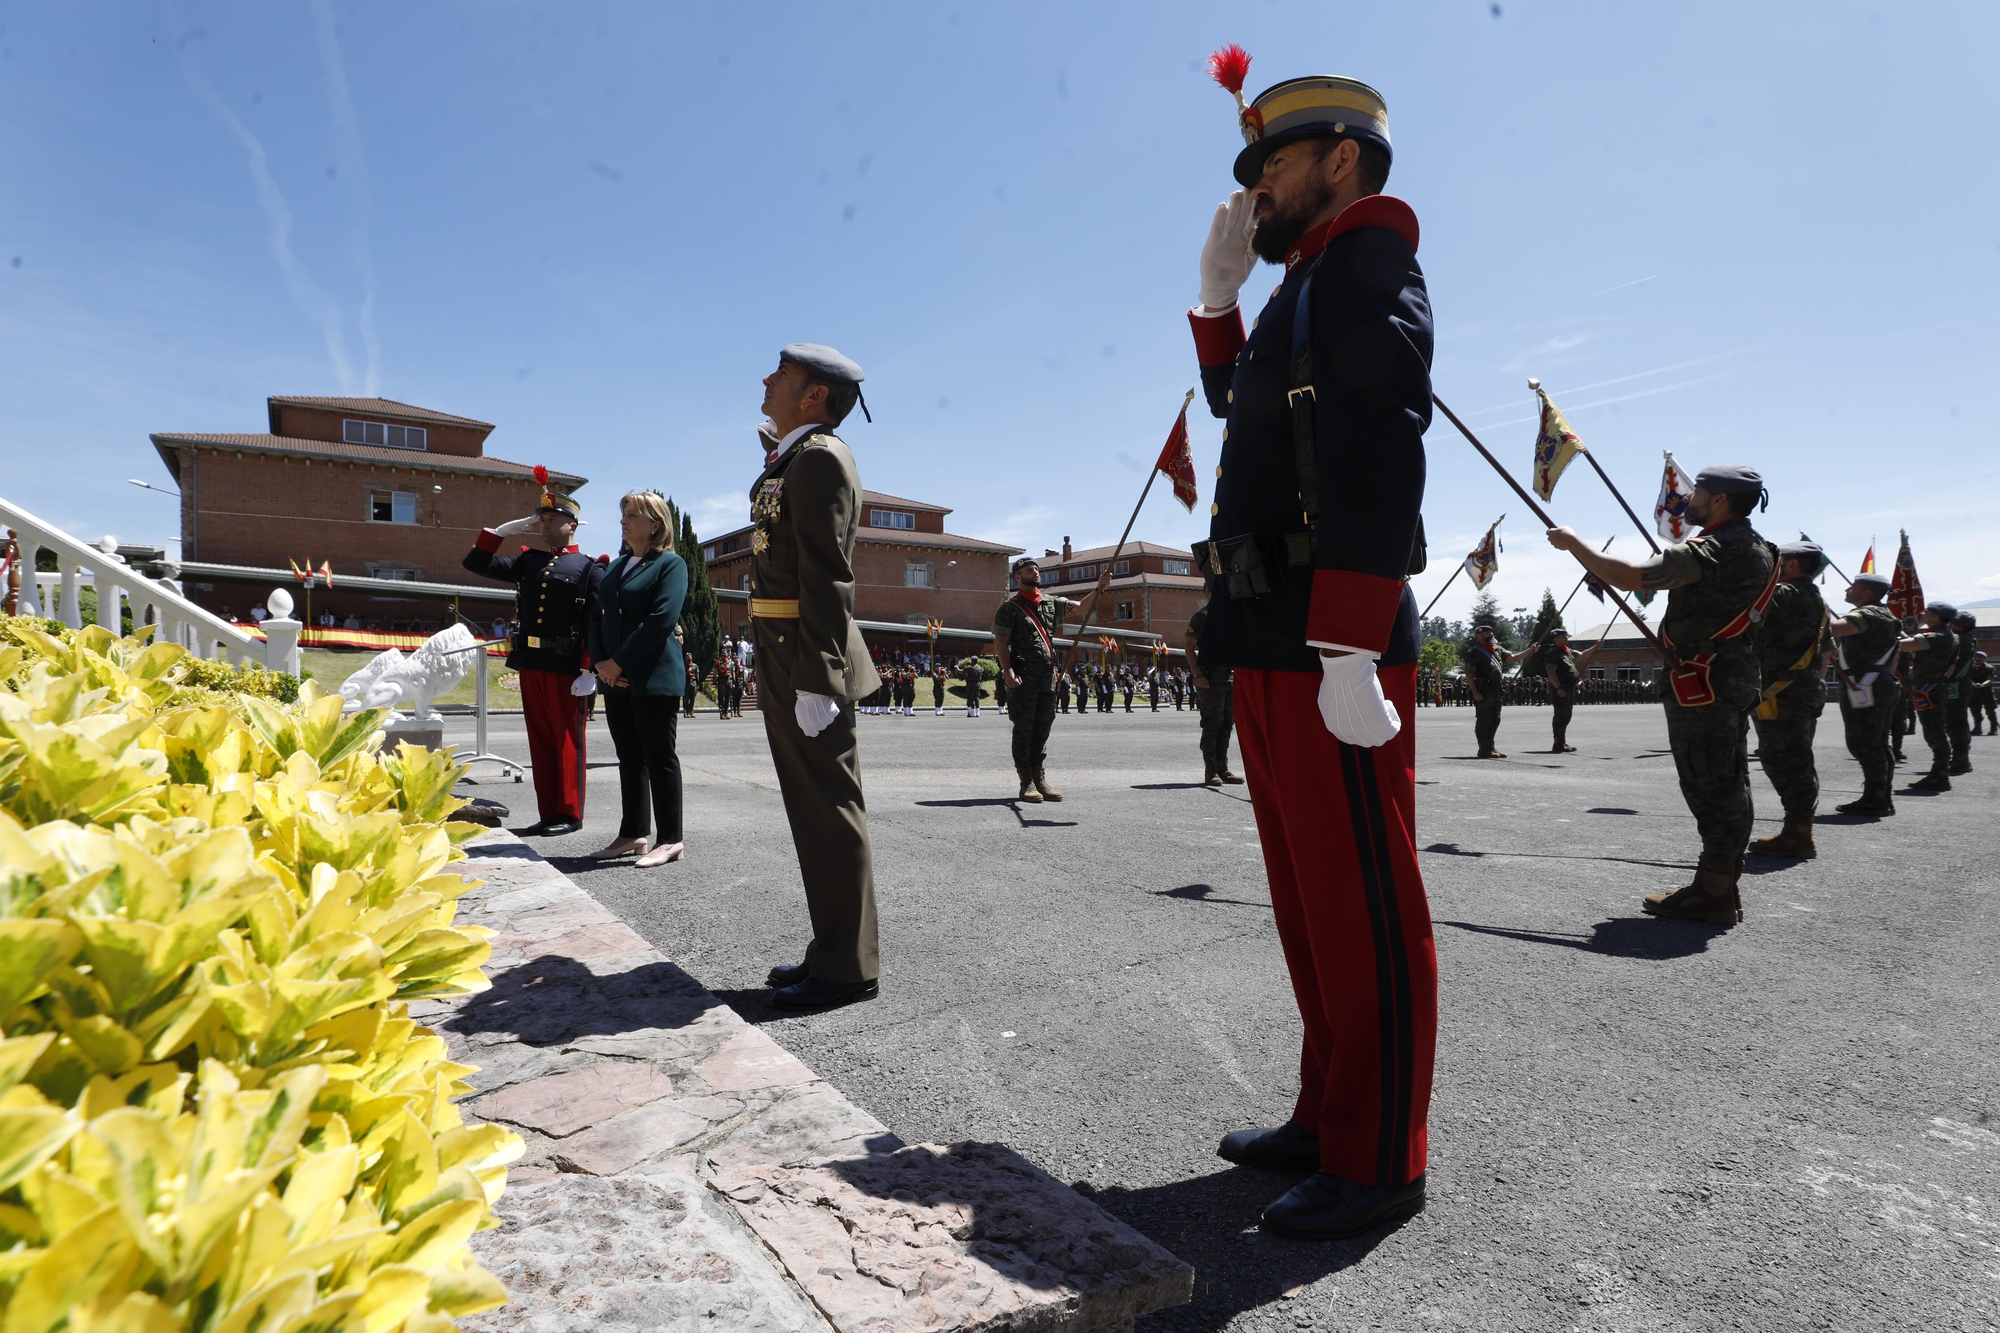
(1024, 635)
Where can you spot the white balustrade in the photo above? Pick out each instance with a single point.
(54, 595)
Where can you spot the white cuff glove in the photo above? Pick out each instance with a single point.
(1351, 702)
(815, 712)
(585, 685)
(1227, 260)
(520, 527)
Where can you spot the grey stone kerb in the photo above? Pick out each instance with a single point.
(685, 1171)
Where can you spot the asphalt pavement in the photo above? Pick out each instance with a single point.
(1637, 1125)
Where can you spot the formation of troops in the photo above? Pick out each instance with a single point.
(1306, 647)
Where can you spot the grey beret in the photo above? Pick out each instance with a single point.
(1807, 554)
(1944, 611)
(1965, 618)
(1730, 479)
(823, 362)
(1879, 582)
(1025, 560)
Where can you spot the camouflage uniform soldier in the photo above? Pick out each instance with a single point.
(1565, 674)
(1720, 582)
(1024, 633)
(1958, 704)
(1489, 686)
(1982, 697)
(1791, 645)
(1864, 645)
(1933, 651)
(1215, 695)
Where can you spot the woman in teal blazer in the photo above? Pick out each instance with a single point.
(642, 674)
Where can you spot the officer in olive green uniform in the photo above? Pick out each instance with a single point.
(1791, 643)
(1489, 687)
(1864, 647)
(812, 665)
(1215, 696)
(1933, 651)
(1958, 705)
(1984, 719)
(1720, 583)
(1025, 629)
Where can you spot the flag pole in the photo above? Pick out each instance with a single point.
(1076, 641)
(1824, 556)
(1543, 515)
(1617, 495)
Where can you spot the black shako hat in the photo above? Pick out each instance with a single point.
(1809, 555)
(822, 362)
(1734, 479)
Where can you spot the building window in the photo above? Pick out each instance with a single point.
(401, 573)
(892, 518)
(1124, 611)
(378, 432)
(744, 583)
(1175, 567)
(916, 574)
(1080, 574)
(392, 506)
(708, 552)
(1122, 568)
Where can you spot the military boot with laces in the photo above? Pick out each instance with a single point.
(1042, 785)
(1028, 792)
(1711, 898)
(1796, 840)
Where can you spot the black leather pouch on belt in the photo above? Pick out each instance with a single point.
(1252, 565)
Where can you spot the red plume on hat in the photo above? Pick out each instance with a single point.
(541, 476)
(1230, 67)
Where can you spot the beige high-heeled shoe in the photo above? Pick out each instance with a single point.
(659, 856)
(619, 847)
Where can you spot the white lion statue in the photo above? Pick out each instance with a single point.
(390, 678)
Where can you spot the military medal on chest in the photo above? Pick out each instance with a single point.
(764, 508)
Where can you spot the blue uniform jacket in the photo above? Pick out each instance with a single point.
(1371, 340)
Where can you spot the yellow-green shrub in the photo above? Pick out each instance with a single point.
(215, 1111)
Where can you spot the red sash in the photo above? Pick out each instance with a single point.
(1690, 675)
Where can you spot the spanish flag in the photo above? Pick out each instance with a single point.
(1868, 561)
(1555, 445)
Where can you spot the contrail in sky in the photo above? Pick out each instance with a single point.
(354, 182)
(319, 307)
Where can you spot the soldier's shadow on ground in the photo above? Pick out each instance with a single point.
(1012, 803)
(1211, 1222)
(1453, 849)
(553, 998)
(1647, 938)
(1205, 893)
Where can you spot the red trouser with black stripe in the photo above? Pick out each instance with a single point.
(1338, 824)
(555, 743)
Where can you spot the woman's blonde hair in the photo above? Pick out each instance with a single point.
(655, 507)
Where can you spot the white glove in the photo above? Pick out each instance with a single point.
(585, 685)
(1227, 260)
(520, 527)
(815, 712)
(1351, 702)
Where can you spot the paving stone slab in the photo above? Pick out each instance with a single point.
(581, 1253)
(803, 1124)
(970, 1237)
(562, 1104)
(751, 1060)
(624, 1141)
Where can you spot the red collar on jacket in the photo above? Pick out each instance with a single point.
(1374, 210)
(1713, 527)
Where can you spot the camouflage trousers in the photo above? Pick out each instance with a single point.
(1936, 731)
(1868, 735)
(1560, 712)
(1712, 756)
(1785, 747)
(1485, 722)
(1958, 726)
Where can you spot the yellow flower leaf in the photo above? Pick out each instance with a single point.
(91, 1257)
(29, 1136)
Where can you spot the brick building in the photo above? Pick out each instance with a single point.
(379, 489)
(907, 570)
(1154, 589)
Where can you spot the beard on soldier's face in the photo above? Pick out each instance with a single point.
(1279, 230)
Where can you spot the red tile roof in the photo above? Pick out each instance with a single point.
(1131, 549)
(898, 502)
(353, 453)
(881, 537)
(377, 407)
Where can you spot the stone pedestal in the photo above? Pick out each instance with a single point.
(430, 735)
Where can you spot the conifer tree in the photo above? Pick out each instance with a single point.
(701, 614)
(1547, 617)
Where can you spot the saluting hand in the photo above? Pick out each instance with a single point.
(1227, 260)
(520, 527)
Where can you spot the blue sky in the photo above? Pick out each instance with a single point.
(1759, 233)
